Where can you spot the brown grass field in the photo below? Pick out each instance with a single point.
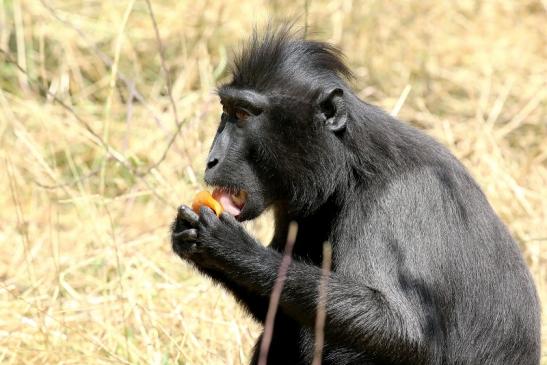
(92, 172)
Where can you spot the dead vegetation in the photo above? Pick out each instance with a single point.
(92, 171)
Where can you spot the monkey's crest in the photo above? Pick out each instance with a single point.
(281, 54)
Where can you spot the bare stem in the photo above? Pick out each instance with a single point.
(164, 64)
(276, 294)
(321, 305)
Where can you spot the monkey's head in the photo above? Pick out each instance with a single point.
(283, 121)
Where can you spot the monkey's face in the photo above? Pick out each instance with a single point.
(233, 160)
(270, 150)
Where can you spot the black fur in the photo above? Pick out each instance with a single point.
(424, 272)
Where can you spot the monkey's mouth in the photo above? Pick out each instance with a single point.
(232, 200)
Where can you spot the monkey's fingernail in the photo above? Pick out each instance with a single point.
(189, 234)
(188, 214)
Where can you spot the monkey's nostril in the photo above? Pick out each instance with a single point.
(212, 163)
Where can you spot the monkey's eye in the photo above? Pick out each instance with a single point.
(241, 115)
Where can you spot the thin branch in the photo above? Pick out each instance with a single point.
(128, 115)
(276, 294)
(165, 150)
(322, 304)
(163, 63)
(97, 140)
(107, 61)
(130, 84)
(69, 183)
(306, 15)
(402, 98)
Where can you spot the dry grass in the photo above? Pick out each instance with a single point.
(87, 274)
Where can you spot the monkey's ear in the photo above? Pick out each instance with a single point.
(332, 110)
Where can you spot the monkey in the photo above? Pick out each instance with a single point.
(423, 270)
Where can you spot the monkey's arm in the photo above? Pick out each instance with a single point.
(357, 315)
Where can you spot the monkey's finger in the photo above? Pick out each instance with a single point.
(186, 249)
(228, 218)
(207, 215)
(187, 235)
(188, 215)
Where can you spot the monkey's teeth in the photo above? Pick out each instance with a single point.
(239, 198)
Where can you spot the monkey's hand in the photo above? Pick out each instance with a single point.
(209, 241)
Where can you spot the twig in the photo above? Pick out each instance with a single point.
(97, 140)
(130, 84)
(402, 98)
(163, 63)
(129, 114)
(276, 294)
(20, 220)
(178, 123)
(123, 296)
(106, 60)
(306, 15)
(69, 183)
(113, 80)
(322, 304)
(165, 151)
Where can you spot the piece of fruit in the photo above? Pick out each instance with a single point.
(205, 198)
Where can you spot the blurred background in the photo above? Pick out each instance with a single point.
(107, 110)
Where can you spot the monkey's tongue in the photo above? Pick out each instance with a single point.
(232, 203)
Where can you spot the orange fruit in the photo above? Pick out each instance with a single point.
(205, 198)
